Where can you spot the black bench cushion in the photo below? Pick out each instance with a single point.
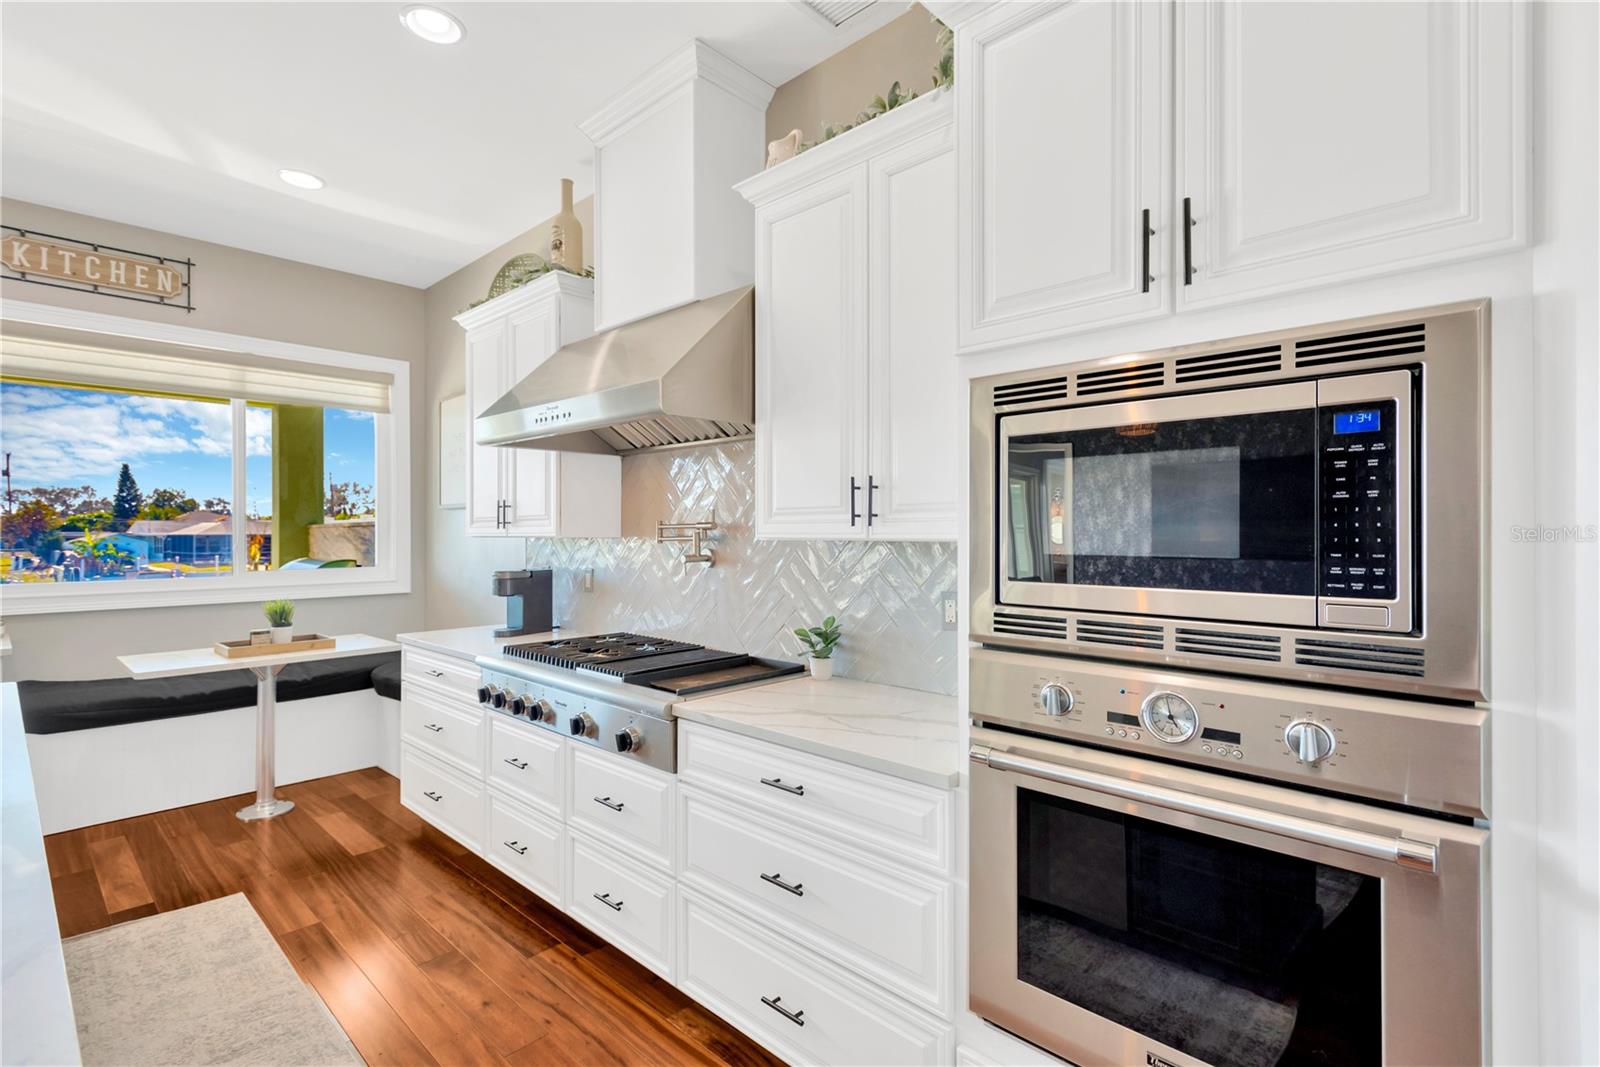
(50, 707)
(386, 679)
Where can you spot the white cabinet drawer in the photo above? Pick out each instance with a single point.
(904, 820)
(626, 805)
(623, 901)
(443, 796)
(527, 762)
(449, 676)
(878, 919)
(529, 847)
(752, 980)
(444, 730)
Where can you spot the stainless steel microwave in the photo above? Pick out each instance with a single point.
(1306, 503)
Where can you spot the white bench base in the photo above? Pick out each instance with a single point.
(87, 777)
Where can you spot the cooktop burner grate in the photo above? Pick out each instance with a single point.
(604, 649)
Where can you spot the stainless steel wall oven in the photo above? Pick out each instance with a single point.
(1306, 503)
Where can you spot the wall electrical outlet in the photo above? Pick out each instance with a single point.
(588, 580)
(948, 604)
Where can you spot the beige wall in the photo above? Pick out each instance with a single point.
(457, 567)
(257, 296)
(835, 90)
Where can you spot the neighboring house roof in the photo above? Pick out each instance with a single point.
(196, 524)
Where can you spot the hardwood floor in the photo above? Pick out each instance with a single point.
(423, 952)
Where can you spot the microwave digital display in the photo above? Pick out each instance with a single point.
(1370, 421)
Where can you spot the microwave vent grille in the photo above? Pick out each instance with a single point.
(1022, 625)
(1122, 634)
(1118, 379)
(1217, 365)
(1366, 344)
(1031, 391)
(1359, 656)
(1229, 644)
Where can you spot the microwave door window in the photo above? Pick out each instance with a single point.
(1038, 514)
(1239, 956)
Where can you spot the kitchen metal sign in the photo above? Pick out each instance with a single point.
(68, 263)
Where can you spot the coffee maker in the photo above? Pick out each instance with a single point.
(528, 602)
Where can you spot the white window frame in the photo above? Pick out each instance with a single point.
(391, 488)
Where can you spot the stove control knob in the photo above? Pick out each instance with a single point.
(1309, 742)
(497, 697)
(519, 705)
(484, 692)
(1057, 699)
(581, 725)
(541, 711)
(629, 740)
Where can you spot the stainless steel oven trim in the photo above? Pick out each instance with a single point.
(1434, 925)
(1451, 651)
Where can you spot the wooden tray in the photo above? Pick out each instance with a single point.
(244, 649)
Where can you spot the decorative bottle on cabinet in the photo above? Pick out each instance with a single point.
(566, 234)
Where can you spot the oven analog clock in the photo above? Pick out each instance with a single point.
(1169, 717)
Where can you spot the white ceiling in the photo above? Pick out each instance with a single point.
(177, 117)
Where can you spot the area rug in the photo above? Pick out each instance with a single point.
(201, 985)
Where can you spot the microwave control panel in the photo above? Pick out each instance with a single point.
(1356, 556)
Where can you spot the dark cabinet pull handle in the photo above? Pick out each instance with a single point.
(796, 1017)
(1145, 233)
(614, 805)
(778, 783)
(605, 898)
(521, 850)
(435, 727)
(1188, 242)
(872, 489)
(522, 766)
(431, 673)
(855, 488)
(777, 879)
(435, 797)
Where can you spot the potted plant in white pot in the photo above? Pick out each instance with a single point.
(820, 642)
(280, 615)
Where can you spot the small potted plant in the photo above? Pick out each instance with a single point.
(819, 642)
(280, 614)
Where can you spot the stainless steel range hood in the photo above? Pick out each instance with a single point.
(684, 376)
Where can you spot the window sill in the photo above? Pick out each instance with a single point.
(150, 593)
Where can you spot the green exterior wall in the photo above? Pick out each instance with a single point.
(297, 480)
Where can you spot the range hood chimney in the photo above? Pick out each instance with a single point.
(685, 376)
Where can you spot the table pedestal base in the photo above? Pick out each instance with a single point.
(270, 810)
(267, 806)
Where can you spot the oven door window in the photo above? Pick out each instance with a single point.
(1239, 956)
(1220, 504)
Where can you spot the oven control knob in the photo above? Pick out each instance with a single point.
(519, 705)
(581, 725)
(484, 693)
(1057, 699)
(541, 711)
(629, 740)
(497, 697)
(1309, 742)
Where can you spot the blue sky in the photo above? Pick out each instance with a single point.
(71, 437)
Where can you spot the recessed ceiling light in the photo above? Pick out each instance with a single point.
(300, 179)
(433, 25)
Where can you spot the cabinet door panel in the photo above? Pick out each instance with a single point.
(1320, 142)
(486, 360)
(1063, 127)
(915, 418)
(531, 485)
(811, 367)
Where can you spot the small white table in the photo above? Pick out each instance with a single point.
(265, 668)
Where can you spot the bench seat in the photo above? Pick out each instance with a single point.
(54, 707)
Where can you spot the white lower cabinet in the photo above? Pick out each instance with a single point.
(528, 764)
(528, 846)
(443, 796)
(793, 1001)
(623, 901)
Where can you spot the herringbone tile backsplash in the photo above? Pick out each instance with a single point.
(886, 595)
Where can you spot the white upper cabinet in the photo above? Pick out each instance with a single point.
(527, 492)
(1310, 144)
(1064, 126)
(857, 394)
(669, 147)
(1319, 142)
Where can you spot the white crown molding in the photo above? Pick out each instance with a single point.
(695, 60)
(954, 12)
(926, 113)
(557, 283)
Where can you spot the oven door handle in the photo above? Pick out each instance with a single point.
(1412, 855)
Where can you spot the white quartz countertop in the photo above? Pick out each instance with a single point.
(206, 660)
(901, 732)
(470, 642)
